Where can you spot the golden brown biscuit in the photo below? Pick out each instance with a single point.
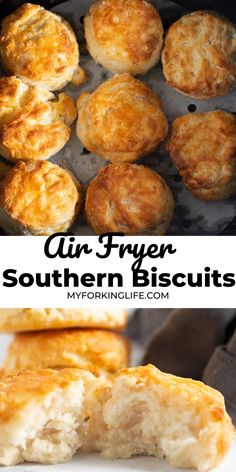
(38, 197)
(13, 320)
(148, 412)
(39, 47)
(203, 148)
(129, 198)
(33, 124)
(102, 352)
(122, 120)
(46, 416)
(124, 35)
(199, 55)
(41, 415)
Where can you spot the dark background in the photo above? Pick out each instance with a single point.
(225, 7)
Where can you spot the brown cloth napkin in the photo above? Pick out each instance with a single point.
(196, 343)
(220, 373)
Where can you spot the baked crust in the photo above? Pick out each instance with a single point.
(125, 100)
(211, 423)
(39, 47)
(40, 197)
(199, 55)
(124, 35)
(165, 416)
(14, 320)
(102, 352)
(33, 124)
(19, 390)
(129, 198)
(195, 389)
(203, 148)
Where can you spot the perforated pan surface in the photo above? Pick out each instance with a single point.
(192, 216)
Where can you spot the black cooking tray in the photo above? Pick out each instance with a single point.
(224, 7)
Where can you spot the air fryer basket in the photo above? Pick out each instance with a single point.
(192, 216)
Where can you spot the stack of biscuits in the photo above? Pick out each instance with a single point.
(60, 338)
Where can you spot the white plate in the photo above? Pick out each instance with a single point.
(95, 463)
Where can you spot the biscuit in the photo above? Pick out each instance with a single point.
(39, 198)
(47, 415)
(122, 120)
(102, 352)
(130, 199)
(33, 124)
(124, 35)
(13, 320)
(39, 47)
(199, 55)
(203, 148)
(148, 412)
(40, 415)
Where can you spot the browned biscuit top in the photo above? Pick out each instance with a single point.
(28, 386)
(99, 351)
(122, 120)
(33, 123)
(40, 195)
(199, 55)
(32, 319)
(124, 35)
(203, 148)
(39, 46)
(129, 198)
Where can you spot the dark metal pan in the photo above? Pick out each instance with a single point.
(226, 7)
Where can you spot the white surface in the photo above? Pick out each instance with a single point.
(95, 463)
